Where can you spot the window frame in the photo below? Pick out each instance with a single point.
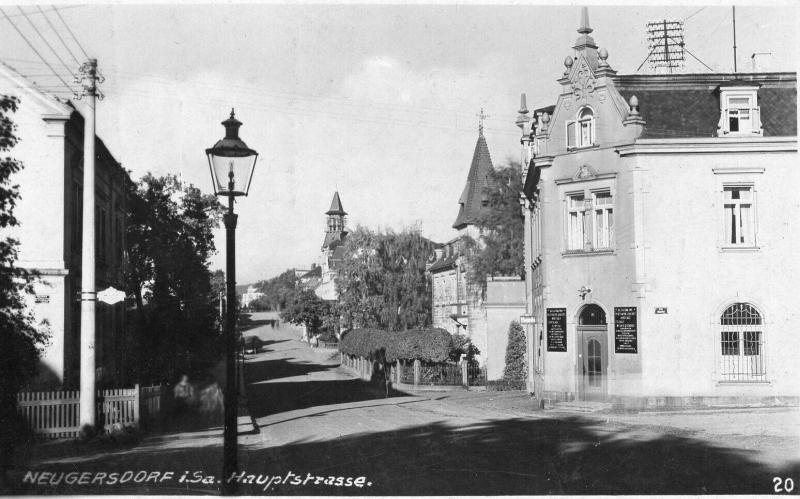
(589, 191)
(577, 124)
(741, 345)
(752, 223)
(727, 108)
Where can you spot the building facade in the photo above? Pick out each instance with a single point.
(660, 233)
(50, 212)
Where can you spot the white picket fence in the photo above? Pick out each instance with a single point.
(55, 414)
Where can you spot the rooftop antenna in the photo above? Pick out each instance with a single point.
(665, 41)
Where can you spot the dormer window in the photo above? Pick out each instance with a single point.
(580, 133)
(739, 112)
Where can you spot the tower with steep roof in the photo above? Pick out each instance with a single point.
(474, 198)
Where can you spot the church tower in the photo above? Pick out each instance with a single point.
(336, 223)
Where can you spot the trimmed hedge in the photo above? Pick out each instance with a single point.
(505, 385)
(430, 345)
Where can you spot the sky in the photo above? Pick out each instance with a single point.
(377, 101)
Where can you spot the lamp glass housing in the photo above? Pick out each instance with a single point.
(226, 167)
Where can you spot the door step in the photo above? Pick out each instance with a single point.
(582, 406)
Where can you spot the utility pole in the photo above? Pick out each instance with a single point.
(88, 291)
(734, 39)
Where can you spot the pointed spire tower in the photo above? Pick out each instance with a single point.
(335, 231)
(474, 197)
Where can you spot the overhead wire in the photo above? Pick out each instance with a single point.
(58, 35)
(74, 38)
(34, 49)
(35, 29)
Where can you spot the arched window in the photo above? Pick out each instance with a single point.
(580, 133)
(742, 344)
(592, 315)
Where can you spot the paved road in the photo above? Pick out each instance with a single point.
(325, 432)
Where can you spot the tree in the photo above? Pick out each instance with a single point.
(382, 282)
(305, 308)
(516, 354)
(277, 290)
(21, 339)
(500, 251)
(170, 241)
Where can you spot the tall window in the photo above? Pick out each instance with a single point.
(586, 124)
(742, 344)
(580, 133)
(739, 220)
(576, 222)
(603, 220)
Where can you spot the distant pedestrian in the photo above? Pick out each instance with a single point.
(184, 393)
(212, 403)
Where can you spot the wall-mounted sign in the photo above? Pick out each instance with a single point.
(527, 319)
(556, 329)
(625, 330)
(42, 298)
(661, 310)
(111, 295)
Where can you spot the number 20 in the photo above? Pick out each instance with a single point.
(783, 484)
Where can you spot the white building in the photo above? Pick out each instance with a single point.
(661, 235)
(50, 214)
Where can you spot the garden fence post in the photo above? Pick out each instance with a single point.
(137, 399)
(464, 378)
(416, 372)
(398, 372)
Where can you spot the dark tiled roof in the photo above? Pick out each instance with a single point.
(688, 105)
(471, 199)
(315, 272)
(336, 206)
(443, 263)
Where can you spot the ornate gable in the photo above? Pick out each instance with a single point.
(582, 81)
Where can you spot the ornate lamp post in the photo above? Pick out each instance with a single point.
(231, 163)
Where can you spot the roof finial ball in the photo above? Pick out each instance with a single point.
(568, 62)
(603, 55)
(634, 103)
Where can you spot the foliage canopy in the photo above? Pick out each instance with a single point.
(21, 339)
(516, 353)
(170, 240)
(500, 251)
(382, 282)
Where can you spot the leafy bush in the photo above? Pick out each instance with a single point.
(516, 353)
(430, 345)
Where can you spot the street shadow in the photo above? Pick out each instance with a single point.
(571, 455)
(271, 369)
(274, 398)
(246, 322)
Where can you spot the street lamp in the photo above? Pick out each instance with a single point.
(231, 163)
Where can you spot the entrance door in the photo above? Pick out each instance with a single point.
(593, 353)
(593, 365)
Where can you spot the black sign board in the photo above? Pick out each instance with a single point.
(556, 329)
(625, 330)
